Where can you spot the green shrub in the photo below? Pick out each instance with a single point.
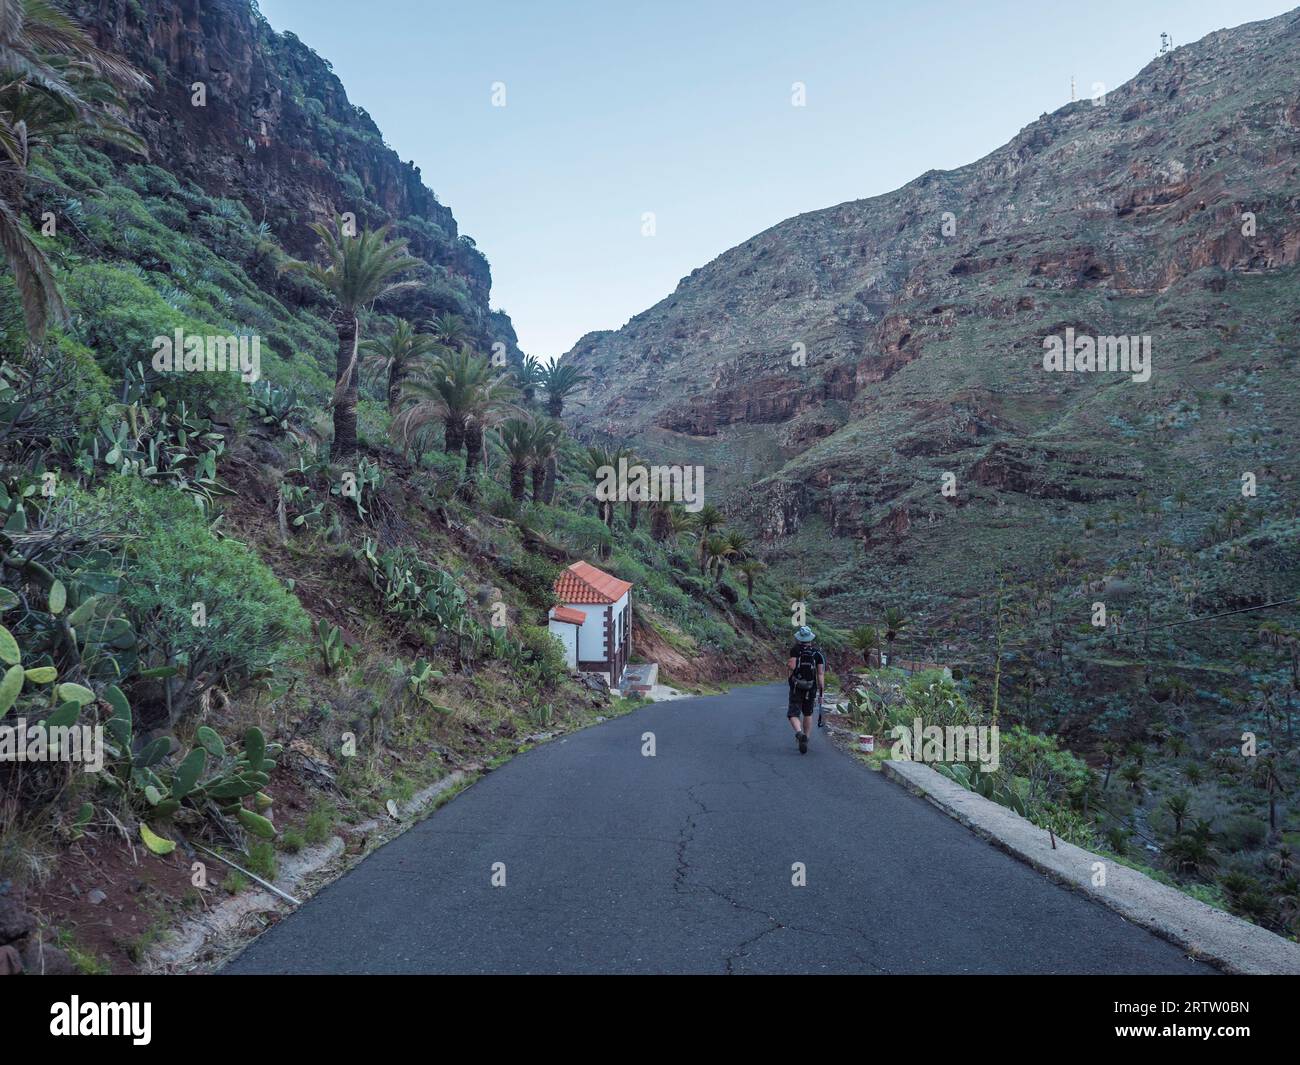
(447, 470)
(118, 315)
(320, 823)
(1240, 832)
(936, 700)
(544, 651)
(261, 859)
(175, 565)
(535, 575)
(1053, 775)
(584, 533)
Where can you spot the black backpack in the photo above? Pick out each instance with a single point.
(805, 669)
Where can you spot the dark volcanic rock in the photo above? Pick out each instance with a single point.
(278, 132)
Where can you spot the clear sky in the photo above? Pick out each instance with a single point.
(614, 108)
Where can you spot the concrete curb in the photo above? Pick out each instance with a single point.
(1211, 935)
(222, 930)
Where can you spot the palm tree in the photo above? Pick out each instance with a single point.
(529, 375)
(438, 393)
(864, 639)
(1117, 837)
(713, 556)
(750, 568)
(1288, 903)
(633, 505)
(460, 391)
(560, 382)
(678, 521)
(1264, 775)
(707, 518)
(54, 81)
(894, 623)
(1274, 635)
(517, 439)
(1111, 750)
(597, 460)
(491, 405)
(1134, 774)
(1178, 806)
(1282, 861)
(548, 434)
(397, 356)
(1188, 854)
(450, 331)
(358, 272)
(660, 520)
(738, 543)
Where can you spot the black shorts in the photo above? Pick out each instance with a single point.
(801, 702)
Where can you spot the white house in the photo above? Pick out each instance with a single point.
(565, 623)
(593, 621)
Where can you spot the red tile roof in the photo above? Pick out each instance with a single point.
(564, 613)
(584, 583)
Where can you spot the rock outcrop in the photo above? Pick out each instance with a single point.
(251, 114)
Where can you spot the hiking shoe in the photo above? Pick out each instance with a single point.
(803, 742)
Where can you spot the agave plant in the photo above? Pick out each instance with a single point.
(277, 410)
(147, 438)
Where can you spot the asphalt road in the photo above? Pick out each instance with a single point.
(682, 863)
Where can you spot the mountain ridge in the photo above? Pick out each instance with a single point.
(867, 296)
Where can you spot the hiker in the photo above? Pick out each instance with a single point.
(807, 684)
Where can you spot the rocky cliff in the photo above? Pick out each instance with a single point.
(840, 365)
(251, 114)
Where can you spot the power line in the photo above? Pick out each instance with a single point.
(1226, 613)
(1191, 621)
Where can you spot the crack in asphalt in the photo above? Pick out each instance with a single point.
(731, 955)
(684, 838)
